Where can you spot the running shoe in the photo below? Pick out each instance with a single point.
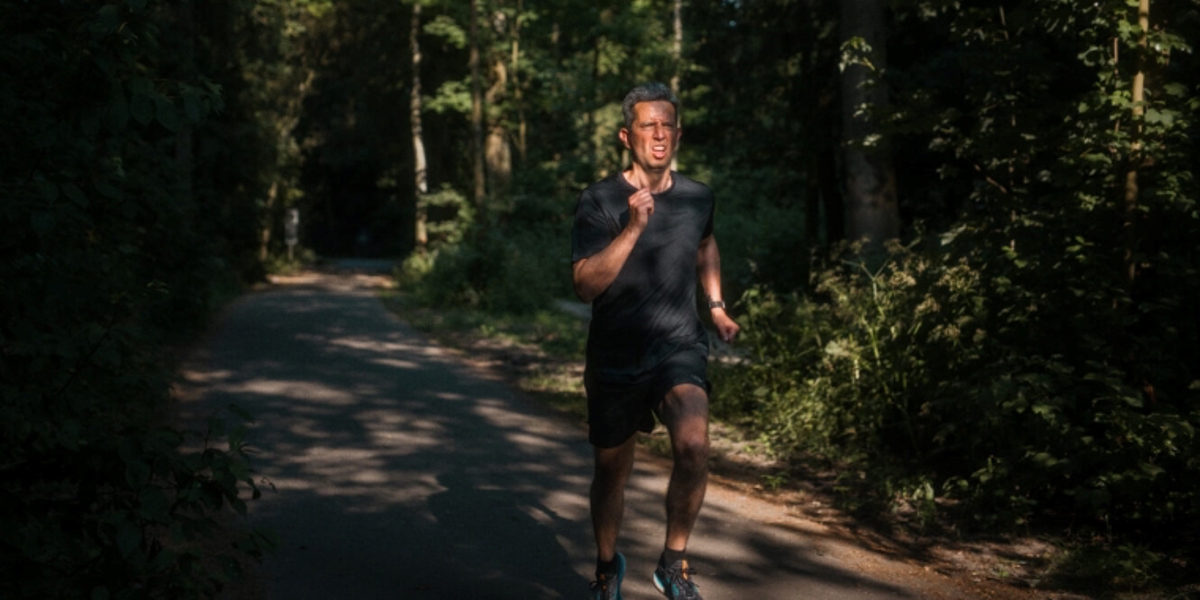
(676, 581)
(606, 588)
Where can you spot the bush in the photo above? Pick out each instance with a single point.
(985, 379)
(517, 261)
(106, 263)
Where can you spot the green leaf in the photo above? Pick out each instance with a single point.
(142, 108)
(191, 104)
(153, 505)
(108, 190)
(1163, 116)
(108, 19)
(137, 473)
(129, 537)
(837, 348)
(43, 222)
(445, 27)
(166, 113)
(75, 194)
(118, 110)
(1177, 90)
(1133, 401)
(136, 5)
(1152, 470)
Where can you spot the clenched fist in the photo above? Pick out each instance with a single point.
(641, 206)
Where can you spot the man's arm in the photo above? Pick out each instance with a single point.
(593, 275)
(708, 270)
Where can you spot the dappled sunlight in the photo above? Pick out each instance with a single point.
(399, 364)
(363, 429)
(377, 345)
(305, 391)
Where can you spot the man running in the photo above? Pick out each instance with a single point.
(641, 241)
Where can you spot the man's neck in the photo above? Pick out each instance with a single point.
(656, 181)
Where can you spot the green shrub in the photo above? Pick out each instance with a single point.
(1007, 393)
(105, 263)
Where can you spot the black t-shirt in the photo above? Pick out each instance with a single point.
(649, 311)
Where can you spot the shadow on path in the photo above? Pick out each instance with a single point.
(396, 472)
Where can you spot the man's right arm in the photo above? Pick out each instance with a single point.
(593, 275)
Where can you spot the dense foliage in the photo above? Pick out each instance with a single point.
(121, 235)
(1028, 350)
(1012, 356)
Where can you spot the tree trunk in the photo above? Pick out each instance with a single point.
(677, 54)
(477, 147)
(518, 94)
(1138, 96)
(264, 240)
(870, 201)
(497, 152)
(414, 102)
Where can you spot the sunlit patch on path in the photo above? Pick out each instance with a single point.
(392, 470)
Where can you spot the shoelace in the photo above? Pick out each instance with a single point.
(600, 585)
(682, 580)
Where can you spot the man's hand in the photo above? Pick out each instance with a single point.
(726, 328)
(641, 206)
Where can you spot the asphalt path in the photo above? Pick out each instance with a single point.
(394, 469)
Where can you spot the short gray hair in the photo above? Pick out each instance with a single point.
(648, 92)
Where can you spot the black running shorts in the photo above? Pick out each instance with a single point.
(617, 409)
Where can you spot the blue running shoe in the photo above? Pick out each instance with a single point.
(605, 588)
(675, 582)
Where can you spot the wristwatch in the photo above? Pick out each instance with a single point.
(716, 304)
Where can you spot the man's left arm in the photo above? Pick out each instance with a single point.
(708, 271)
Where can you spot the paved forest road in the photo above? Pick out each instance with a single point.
(400, 473)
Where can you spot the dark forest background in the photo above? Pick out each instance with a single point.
(962, 238)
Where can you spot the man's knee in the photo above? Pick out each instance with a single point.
(687, 406)
(685, 402)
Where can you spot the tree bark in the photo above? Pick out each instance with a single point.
(1138, 96)
(497, 153)
(677, 54)
(419, 166)
(518, 93)
(477, 149)
(264, 240)
(871, 207)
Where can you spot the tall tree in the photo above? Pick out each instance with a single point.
(477, 143)
(677, 55)
(498, 152)
(870, 183)
(518, 91)
(420, 176)
(1134, 163)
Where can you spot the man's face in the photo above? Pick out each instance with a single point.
(653, 137)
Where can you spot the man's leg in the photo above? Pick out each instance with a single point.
(685, 414)
(613, 466)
